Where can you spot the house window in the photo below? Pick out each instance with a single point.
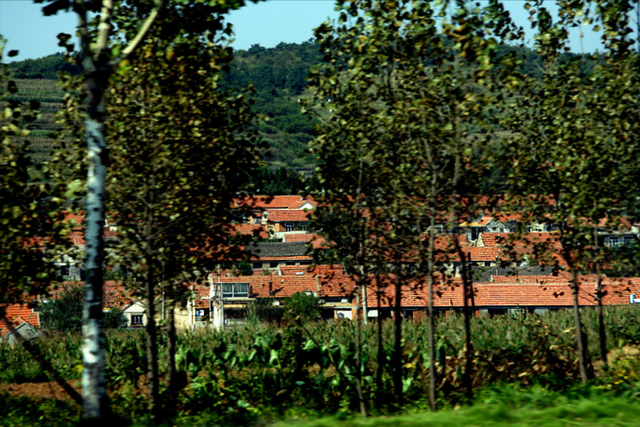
(614, 242)
(303, 227)
(628, 240)
(289, 226)
(256, 220)
(235, 290)
(136, 320)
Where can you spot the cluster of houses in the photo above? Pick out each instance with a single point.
(282, 264)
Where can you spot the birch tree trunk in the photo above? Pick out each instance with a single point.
(96, 402)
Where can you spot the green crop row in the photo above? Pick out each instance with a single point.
(266, 371)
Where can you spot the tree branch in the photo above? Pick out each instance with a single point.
(104, 29)
(140, 36)
(88, 65)
(46, 365)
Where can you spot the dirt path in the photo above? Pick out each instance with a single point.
(50, 390)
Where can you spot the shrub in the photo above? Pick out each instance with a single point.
(64, 313)
(302, 306)
(245, 268)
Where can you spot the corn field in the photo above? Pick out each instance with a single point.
(272, 371)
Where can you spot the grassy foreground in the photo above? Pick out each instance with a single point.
(502, 406)
(598, 412)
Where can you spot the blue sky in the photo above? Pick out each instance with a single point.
(266, 23)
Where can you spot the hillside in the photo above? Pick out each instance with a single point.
(278, 75)
(49, 96)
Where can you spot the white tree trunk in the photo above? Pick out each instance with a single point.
(93, 384)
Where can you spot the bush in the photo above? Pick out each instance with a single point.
(64, 314)
(302, 306)
(263, 310)
(245, 268)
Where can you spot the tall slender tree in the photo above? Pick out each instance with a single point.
(23, 268)
(173, 201)
(570, 131)
(106, 43)
(406, 92)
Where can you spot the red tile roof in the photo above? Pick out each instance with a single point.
(114, 293)
(317, 241)
(490, 240)
(301, 237)
(483, 254)
(269, 202)
(285, 258)
(18, 314)
(514, 294)
(288, 215)
(331, 282)
(302, 202)
(251, 230)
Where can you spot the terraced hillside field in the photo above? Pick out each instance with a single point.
(44, 129)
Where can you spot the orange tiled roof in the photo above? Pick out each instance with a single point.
(557, 293)
(491, 239)
(269, 202)
(479, 254)
(17, 314)
(302, 202)
(303, 237)
(317, 241)
(245, 229)
(288, 215)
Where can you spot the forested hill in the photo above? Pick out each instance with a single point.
(278, 75)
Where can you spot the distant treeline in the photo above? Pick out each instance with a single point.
(46, 67)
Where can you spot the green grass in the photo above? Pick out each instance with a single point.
(596, 412)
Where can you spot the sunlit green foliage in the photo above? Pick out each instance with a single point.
(270, 373)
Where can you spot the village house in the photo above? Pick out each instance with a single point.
(283, 265)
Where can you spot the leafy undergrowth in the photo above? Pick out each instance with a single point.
(27, 412)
